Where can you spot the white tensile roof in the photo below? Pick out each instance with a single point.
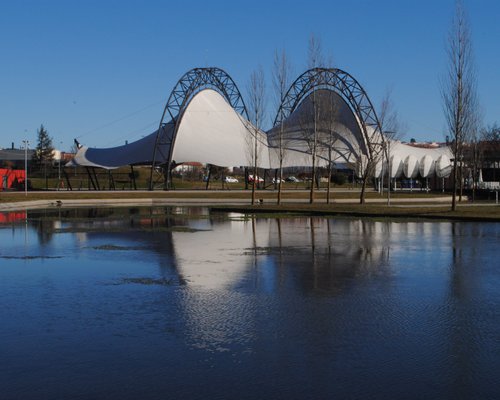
(212, 132)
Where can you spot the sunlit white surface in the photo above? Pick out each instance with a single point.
(427, 166)
(443, 166)
(410, 168)
(212, 132)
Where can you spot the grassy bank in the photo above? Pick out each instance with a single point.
(483, 212)
(416, 205)
(203, 194)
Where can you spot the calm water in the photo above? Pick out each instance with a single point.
(169, 303)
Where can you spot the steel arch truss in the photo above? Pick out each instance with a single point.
(345, 85)
(191, 83)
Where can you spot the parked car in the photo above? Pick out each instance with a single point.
(292, 179)
(259, 179)
(230, 179)
(276, 180)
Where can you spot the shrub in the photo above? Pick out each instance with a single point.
(339, 178)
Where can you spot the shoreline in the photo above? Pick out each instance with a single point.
(408, 207)
(400, 214)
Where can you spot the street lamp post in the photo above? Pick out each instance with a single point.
(26, 143)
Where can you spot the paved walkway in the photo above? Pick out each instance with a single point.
(126, 202)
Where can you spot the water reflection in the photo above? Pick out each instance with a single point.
(189, 240)
(308, 307)
(215, 250)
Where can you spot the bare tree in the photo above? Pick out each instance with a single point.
(458, 90)
(281, 82)
(389, 118)
(379, 145)
(367, 163)
(309, 131)
(328, 140)
(256, 110)
(392, 129)
(366, 167)
(329, 109)
(314, 60)
(492, 134)
(475, 156)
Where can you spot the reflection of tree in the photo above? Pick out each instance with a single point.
(255, 248)
(317, 254)
(280, 265)
(135, 228)
(44, 230)
(331, 258)
(306, 263)
(462, 330)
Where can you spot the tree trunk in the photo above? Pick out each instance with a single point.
(280, 177)
(362, 195)
(254, 185)
(454, 183)
(473, 184)
(365, 175)
(461, 182)
(313, 177)
(328, 187)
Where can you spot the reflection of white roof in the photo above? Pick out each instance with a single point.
(217, 258)
(221, 257)
(211, 131)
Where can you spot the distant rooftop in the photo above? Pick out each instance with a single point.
(14, 154)
(426, 145)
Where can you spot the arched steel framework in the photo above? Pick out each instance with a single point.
(191, 83)
(351, 91)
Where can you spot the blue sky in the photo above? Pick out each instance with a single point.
(103, 70)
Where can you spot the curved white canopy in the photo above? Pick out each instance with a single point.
(417, 160)
(138, 152)
(427, 166)
(211, 131)
(443, 166)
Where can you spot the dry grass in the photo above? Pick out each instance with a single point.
(196, 194)
(429, 210)
(442, 212)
